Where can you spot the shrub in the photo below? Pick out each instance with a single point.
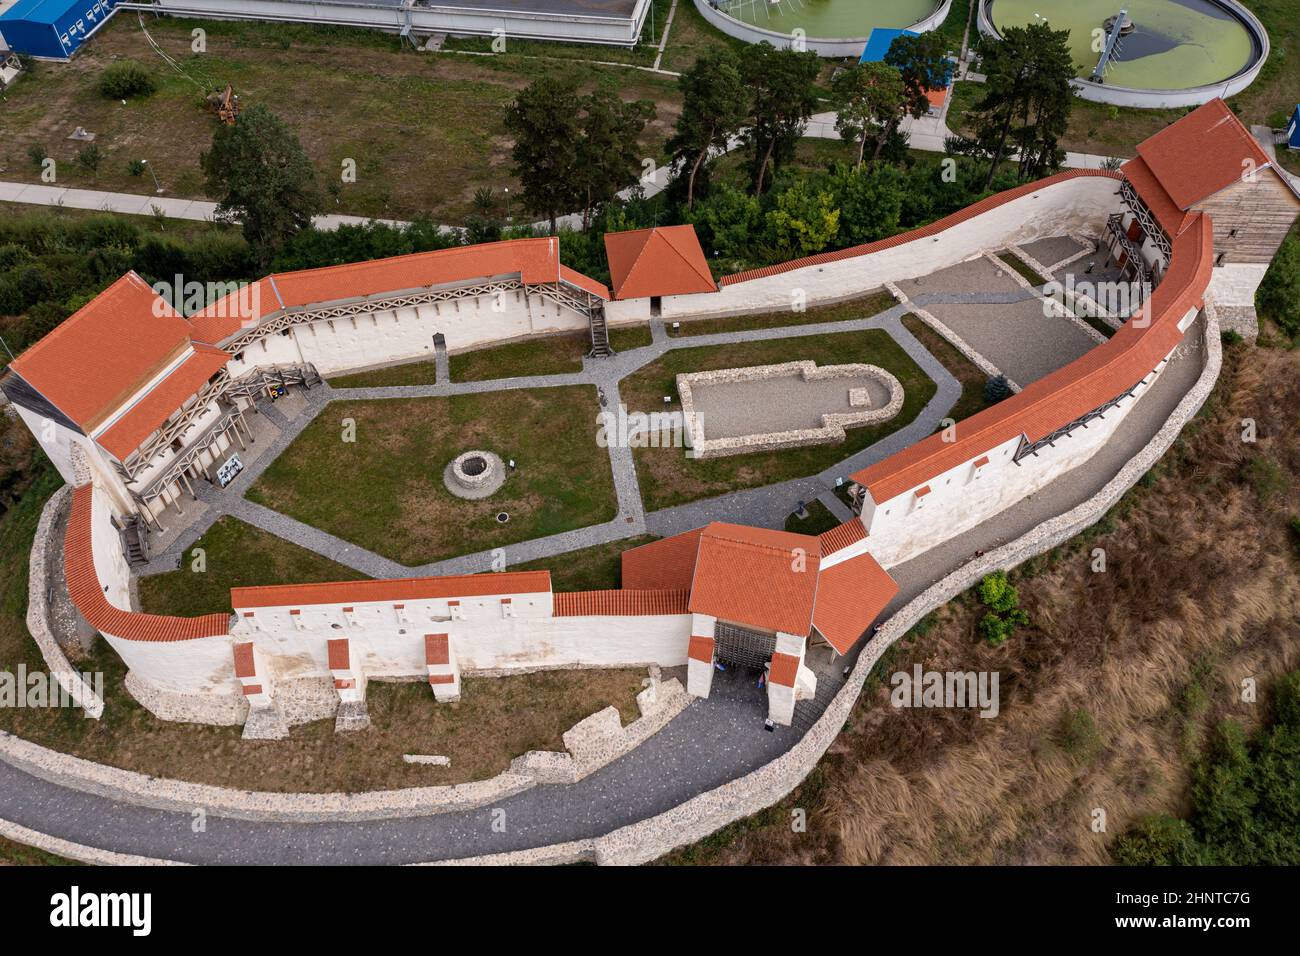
(996, 388)
(36, 154)
(1004, 615)
(89, 158)
(126, 79)
(1078, 736)
(1159, 840)
(1266, 477)
(1278, 296)
(135, 167)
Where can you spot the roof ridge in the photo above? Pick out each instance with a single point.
(681, 255)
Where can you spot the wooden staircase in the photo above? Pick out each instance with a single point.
(600, 347)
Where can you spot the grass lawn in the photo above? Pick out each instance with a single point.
(862, 308)
(20, 854)
(629, 337)
(384, 491)
(552, 355)
(819, 519)
(963, 369)
(692, 35)
(668, 477)
(235, 554)
(498, 718)
(548, 355)
(425, 130)
(1023, 268)
(597, 568)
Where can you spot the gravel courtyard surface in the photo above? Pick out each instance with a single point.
(972, 276)
(1018, 338)
(1053, 249)
(788, 403)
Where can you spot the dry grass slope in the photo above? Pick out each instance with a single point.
(1200, 592)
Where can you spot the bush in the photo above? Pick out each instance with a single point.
(1278, 296)
(37, 154)
(996, 388)
(1002, 599)
(1159, 840)
(127, 79)
(89, 158)
(135, 167)
(1078, 736)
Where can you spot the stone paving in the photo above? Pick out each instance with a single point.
(1019, 338)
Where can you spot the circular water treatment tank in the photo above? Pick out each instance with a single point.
(1165, 45)
(829, 19)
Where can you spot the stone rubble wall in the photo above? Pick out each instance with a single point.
(40, 588)
(833, 423)
(598, 745)
(702, 815)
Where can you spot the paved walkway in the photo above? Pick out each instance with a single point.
(766, 506)
(711, 742)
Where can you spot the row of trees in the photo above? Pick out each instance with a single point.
(575, 151)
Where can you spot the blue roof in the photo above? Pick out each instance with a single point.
(40, 11)
(878, 43)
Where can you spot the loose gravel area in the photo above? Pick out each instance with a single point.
(1018, 338)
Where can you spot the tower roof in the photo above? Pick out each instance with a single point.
(664, 260)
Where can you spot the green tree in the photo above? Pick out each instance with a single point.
(803, 220)
(869, 100)
(1000, 596)
(715, 104)
(1159, 840)
(545, 121)
(608, 156)
(260, 175)
(922, 63)
(1278, 296)
(1026, 100)
(784, 96)
(870, 202)
(728, 220)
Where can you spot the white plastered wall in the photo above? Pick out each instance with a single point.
(962, 497)
(1078, 205)
(365, 340)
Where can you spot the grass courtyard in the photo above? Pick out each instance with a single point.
(384, 491)
(234, 554)
(668, 477)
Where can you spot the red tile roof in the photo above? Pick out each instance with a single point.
(924, 232)
(386, 590)
(339, 654)
(436, 649)
(701, 648)
(664, 260)
(153, 409)
(1099, 375)
(667, 564)
(244, 666)
(533, 260)
(850, 596)
(784, 669)
(87, 591)
(1207, 150)
(756, 577)
(95, 359)
(624, 603)
(1172, 219)
(841, 536)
